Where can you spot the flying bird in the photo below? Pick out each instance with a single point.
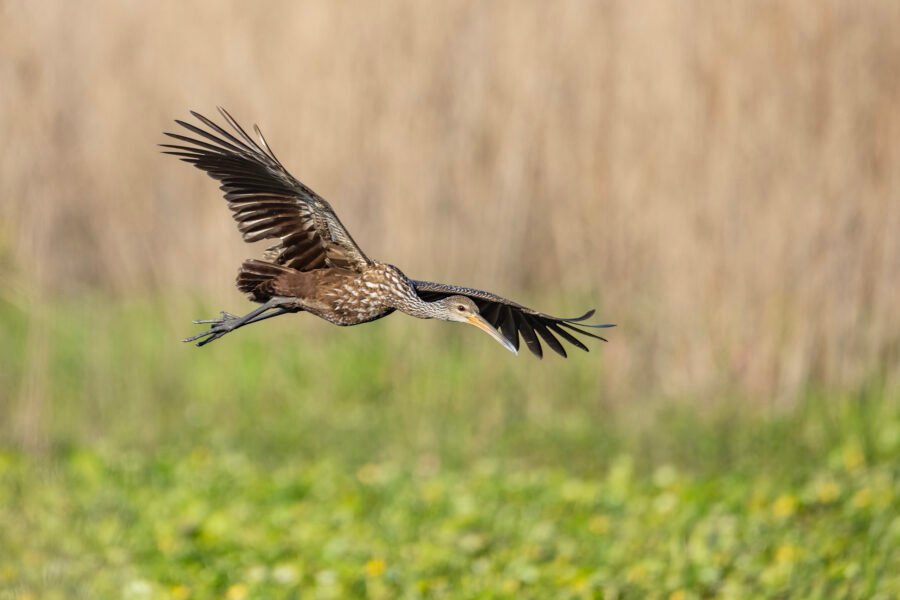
(316, 267)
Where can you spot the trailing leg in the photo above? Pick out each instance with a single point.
(228, 322)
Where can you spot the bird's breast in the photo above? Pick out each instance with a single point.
(354, 303)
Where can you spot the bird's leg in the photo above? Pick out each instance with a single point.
(228, 322)
(227, 316)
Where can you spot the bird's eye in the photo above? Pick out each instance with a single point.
(460, 307)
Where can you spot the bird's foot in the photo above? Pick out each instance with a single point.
(223, 316)
(217, 328)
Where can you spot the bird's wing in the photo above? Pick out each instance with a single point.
(513, 319)
(268, 202)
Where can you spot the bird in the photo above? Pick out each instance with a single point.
(315, 266)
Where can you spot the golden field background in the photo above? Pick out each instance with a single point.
(721, 179)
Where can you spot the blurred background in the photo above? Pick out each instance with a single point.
(722, 180)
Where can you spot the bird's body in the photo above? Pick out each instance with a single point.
(340, 296)
(316, 266)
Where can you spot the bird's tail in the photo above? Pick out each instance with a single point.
(256, 279)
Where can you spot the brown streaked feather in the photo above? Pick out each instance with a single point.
(339, 296)
(256, 277)
(266, 201)
(514, 320)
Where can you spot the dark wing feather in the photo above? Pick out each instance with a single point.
(513, 319)
(266, 201)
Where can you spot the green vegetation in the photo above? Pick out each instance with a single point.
(398, 460)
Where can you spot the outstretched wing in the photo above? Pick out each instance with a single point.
(513, 319)
(267, 201)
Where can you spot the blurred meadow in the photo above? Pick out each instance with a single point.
(722, 180)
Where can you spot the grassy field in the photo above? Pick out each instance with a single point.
(301, 461)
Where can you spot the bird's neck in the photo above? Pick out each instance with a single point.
(416, 307)
(402, 294)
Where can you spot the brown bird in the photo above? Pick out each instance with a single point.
(316, 266)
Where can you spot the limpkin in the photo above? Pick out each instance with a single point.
(316, 266)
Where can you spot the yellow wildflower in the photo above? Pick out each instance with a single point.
(375, 567)
(827, 491)
(784, 506)
(180, 592)
(862, 498)
(238, 591)
(786, 554)
(581, 584)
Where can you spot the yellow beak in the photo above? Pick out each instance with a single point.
(479, 322)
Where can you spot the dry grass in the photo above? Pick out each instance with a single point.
(724, 177)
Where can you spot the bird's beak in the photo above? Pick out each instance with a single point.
(479, 322)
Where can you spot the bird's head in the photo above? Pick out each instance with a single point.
(462, 310)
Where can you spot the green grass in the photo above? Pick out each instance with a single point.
(415, 461)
